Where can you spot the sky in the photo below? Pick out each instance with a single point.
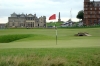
(41, 8)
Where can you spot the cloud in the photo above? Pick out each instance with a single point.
(40, 7)
(3, 19)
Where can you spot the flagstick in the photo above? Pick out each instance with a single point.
(52, 17)
(56, 33)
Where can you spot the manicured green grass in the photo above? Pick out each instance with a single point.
(40, 48)
(53, 24)
(45, 38)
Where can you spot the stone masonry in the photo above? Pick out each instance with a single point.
(26, 21)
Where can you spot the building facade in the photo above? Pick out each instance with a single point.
(26, 21)
(91, 12)
(2, 25)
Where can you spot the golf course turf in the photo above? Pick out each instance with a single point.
(40, 48)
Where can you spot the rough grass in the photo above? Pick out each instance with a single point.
(31, 60)
(50, 57)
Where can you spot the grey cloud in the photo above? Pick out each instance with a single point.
(42, 7)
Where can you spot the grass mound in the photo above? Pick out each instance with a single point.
(10, 38)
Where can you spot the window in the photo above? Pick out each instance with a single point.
(90, 21)
(90, 8)
(85, 12)
(85, 8)
(90, 12)
(99, 21)
(94, 21)
(28, 18)
(13, 24)
(95, 12)
(97, 4)
(86, 16)
(86, 5)
(95, 8)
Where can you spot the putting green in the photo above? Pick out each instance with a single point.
(45, 38)
(52, 44)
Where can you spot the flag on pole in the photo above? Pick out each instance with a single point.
(52, 17)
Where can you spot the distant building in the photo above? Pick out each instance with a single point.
(91, 12)
(79, 24)
(69, 23)
(2, 25)
(26, 20)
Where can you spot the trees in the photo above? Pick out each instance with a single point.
(80, 15)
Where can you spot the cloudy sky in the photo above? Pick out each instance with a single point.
(41, 8)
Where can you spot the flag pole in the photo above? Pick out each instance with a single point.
(56, 32)
(52, 17)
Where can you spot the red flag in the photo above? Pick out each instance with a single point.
(52, 17)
